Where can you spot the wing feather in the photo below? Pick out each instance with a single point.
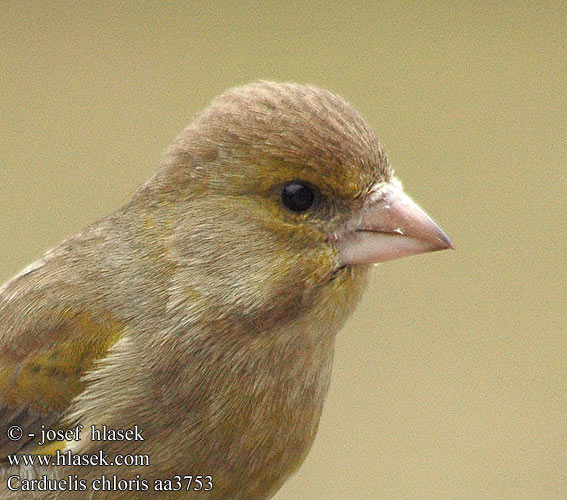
(43, 369)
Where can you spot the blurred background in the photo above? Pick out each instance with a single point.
(450, 380)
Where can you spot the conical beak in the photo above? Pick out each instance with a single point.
(390, 225)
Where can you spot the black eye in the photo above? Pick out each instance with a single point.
(298, 196)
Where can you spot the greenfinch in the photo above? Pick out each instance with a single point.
(182, 346)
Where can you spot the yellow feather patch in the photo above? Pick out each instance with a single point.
(50, 377)
(51, 448)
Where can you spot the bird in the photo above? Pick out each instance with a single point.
(199, 319)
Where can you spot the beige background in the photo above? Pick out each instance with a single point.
(450, 380)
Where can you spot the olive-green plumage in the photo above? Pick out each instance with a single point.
(204, 311)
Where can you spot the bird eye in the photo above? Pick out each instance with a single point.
(298, 196)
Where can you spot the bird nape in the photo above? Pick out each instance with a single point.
(203, 313)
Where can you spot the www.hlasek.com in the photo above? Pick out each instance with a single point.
(105, 482)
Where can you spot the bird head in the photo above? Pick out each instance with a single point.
(282, 197)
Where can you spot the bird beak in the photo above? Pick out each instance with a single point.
(388, 226)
